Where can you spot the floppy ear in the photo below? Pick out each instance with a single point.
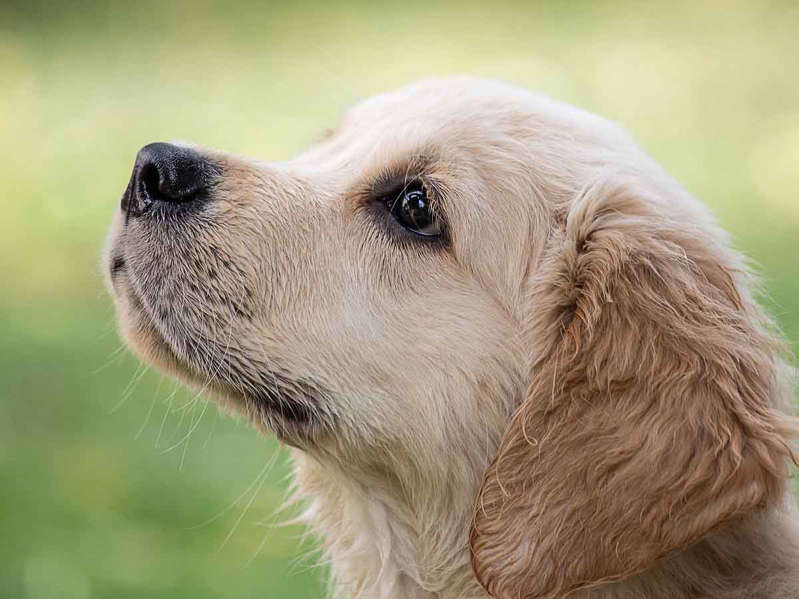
(651, 413)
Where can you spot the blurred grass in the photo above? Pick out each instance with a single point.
(91, 503)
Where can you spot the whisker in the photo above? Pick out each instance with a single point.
(263, 472)
(264, 477)
(192, 403)
(152, 407)
(183, 454)
(141, 370)
(193, 427)
(113, 357)
(167, 410)
(210, 432)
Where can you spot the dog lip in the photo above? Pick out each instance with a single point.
(292, 409)
(183, 367)
(284, 400)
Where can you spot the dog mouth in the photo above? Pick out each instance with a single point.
(143, 332)
(190, 326)
(293, 408)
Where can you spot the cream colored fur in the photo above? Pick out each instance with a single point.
(576, 395)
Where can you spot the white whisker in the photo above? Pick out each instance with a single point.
(131, 386)
(152, 407)
(264, 476)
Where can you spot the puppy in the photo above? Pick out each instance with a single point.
(512, 356)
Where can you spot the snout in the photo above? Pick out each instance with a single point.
(167, 176)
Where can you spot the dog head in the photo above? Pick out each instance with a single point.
(466, 281)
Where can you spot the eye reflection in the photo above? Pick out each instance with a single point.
(412, 209)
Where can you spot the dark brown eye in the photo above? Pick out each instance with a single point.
(412, 209)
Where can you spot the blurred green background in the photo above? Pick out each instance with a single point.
(113, 486)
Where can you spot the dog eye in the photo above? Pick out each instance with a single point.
(412, 209)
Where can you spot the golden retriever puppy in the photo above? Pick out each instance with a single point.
(513, 357)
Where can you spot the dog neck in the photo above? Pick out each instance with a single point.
(381, 544)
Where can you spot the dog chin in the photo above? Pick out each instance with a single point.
(272, 401)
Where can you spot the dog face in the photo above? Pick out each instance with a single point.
(305, 293)
(464, 272)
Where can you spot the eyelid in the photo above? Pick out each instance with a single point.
(393, 186)
(385, 188)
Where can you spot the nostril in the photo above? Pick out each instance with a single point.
(165, 173)
(148, 184)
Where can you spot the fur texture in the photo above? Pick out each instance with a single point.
(572, 394)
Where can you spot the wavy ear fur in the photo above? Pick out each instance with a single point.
(653, 411)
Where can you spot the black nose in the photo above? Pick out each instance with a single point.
(169, 175)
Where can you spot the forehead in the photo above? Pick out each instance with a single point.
(434, 117)
(457, 119)
(438, 111)
(453, 100)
